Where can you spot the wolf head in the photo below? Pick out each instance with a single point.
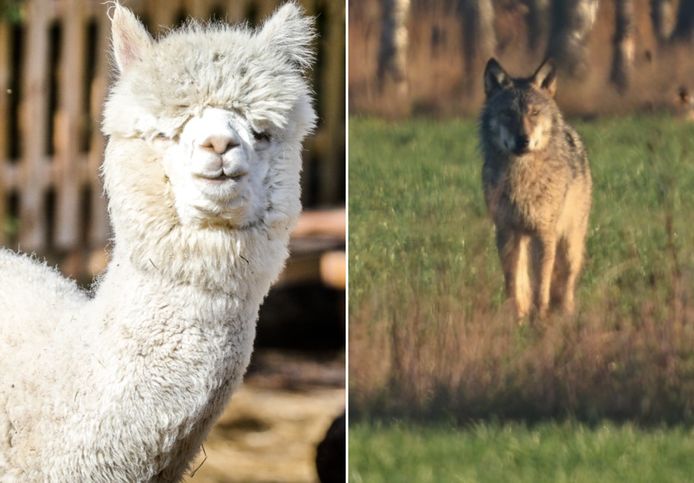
(519, 113)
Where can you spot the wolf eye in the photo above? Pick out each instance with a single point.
(535, 112)
(261, 136)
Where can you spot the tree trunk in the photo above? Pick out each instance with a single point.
(572, 22)
(684, 29)
(479, 38)
(538, 22)
(392, 53)
(623, 44)
(663, 18)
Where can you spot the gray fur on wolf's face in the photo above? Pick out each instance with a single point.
(520, 112)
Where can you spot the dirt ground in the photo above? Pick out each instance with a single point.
(270, 429)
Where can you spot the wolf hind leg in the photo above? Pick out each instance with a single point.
(575, 249)
(560, 275)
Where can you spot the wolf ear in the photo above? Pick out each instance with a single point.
(291, 33)
(495, 77)
(546, 77)
(130, 38)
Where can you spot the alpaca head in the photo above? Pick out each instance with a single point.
(206, 123)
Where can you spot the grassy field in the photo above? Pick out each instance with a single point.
(430, 333)
(542, 453)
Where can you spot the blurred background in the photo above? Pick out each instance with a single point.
(427, 56)
(55, 70)
(444, 384)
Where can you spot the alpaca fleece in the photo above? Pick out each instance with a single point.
(122, 384)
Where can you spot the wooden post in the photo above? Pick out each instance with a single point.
(332, 90)
(5, 47)
(199, 8)
(69, 128)
(98, 225)
(33, 129)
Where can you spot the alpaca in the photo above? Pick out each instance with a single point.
(201, 170)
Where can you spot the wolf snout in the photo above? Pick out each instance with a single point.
(522, 144)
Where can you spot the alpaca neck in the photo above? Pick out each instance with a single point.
(170, 355)
(154, 310)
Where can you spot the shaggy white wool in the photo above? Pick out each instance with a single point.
(202, 173)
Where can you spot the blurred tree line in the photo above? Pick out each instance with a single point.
(11, 10)
(566, 24)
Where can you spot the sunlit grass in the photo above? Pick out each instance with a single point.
(430, 334)
(549, 452)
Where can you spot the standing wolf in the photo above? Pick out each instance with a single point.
(537, 186)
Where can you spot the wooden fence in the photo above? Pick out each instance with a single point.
(54, 73)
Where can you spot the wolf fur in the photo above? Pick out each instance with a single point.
(122, 384)
(537, 186)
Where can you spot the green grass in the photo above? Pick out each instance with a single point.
(430, 333)
(416, 206)
(543, 453)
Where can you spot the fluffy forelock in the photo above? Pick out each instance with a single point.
(259, 73)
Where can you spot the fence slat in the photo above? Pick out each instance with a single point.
(98, 225)
(5, 47)
(265, 8)
(236, 11)
(332, 91)
(162, 13)
(69, 127)
(33, 129)
(199, 9)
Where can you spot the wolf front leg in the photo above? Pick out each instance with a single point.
(513, 251)
(546, 249)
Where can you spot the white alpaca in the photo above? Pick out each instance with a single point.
(202, 174)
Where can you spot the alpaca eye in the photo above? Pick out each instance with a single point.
(261, 136)
(161, 136)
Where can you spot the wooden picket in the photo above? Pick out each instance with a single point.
(54, 74)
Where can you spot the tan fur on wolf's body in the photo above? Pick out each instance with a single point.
(537, 185)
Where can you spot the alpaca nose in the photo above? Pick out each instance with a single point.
(219, 143)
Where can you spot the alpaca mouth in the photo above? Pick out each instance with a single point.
(219, 178)
(222, 187)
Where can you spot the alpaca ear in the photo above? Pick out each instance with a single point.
(495, 77)
(130, 38)
(290, 32)
(546, 77)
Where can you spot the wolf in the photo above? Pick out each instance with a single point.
(537, 186)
